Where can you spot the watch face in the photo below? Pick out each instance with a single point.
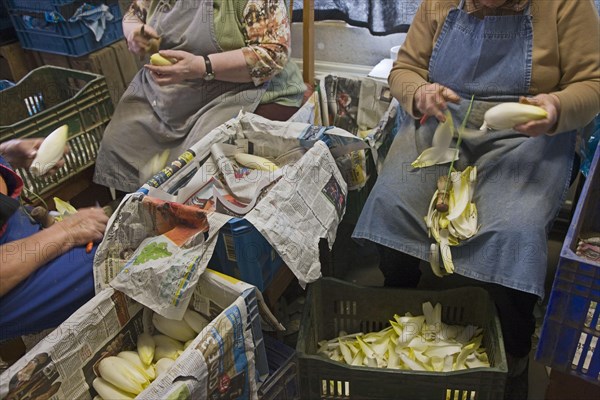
(209, 76)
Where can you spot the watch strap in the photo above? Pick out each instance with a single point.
(209, 73)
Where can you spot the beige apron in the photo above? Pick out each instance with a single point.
(151, 118)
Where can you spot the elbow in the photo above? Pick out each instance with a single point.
(264, 62)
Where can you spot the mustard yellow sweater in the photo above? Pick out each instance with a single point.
(566, 55)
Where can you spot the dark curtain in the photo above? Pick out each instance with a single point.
(381, 17)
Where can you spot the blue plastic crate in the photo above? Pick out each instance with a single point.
(65, 38)
(571, 329)
(39, 5)
(282, 383)
(242, 252)
(4, 84)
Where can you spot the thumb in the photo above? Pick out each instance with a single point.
(451, 95)
(529, 100)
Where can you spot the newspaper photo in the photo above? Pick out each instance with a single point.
(356, 105)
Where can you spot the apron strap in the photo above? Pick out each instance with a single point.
(461, 5)
(527, 10)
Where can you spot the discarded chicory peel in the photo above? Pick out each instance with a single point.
(417, 343)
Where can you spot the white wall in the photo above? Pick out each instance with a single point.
(340, 43)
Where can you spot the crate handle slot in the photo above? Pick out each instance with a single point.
(34, 104)
(458, 394)
(338, 389)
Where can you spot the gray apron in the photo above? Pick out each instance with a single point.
(151, 118)
(521, 181)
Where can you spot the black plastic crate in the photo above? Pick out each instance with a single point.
(282, 383)
(571, 329)
(333, 305)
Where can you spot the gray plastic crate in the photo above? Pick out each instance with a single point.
(333, 305)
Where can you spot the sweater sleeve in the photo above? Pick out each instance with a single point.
(579, 85)
(268, 36)
(410, 70)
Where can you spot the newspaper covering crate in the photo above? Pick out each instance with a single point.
(46, 26)
(282, 383)
(242, 252)
(48, 98)
(219, 363)
(292, 207)
(333, 306)
(571, 329)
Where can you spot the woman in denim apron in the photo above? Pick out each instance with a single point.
(521, 182)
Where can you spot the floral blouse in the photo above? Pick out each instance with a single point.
(266, 29)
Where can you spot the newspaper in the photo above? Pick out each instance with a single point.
(154, 251)
(381, 137)
(219, 364)
(306, 205)
(310, 112)
(357, 105)
(292, 207)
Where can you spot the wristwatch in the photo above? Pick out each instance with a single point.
(209, 74)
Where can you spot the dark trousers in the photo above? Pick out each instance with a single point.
(515, 308)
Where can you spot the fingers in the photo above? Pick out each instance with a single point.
(149, 32)
(432, 100)
(163, 79)
(177, 54)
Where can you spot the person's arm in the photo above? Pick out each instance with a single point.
(20, 153)
(138, 40)
(265, 54)
(579, 94)
(20, 258)
(577, 99)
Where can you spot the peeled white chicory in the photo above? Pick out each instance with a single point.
(440, 151)
(458, 223)
(417, 343)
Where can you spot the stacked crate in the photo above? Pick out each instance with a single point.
(115, 62)
(69, 44)
(44, 25)
(48, 98)
(7, 32)
(569, 338)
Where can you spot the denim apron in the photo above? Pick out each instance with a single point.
(521, 183)
(152, 118)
